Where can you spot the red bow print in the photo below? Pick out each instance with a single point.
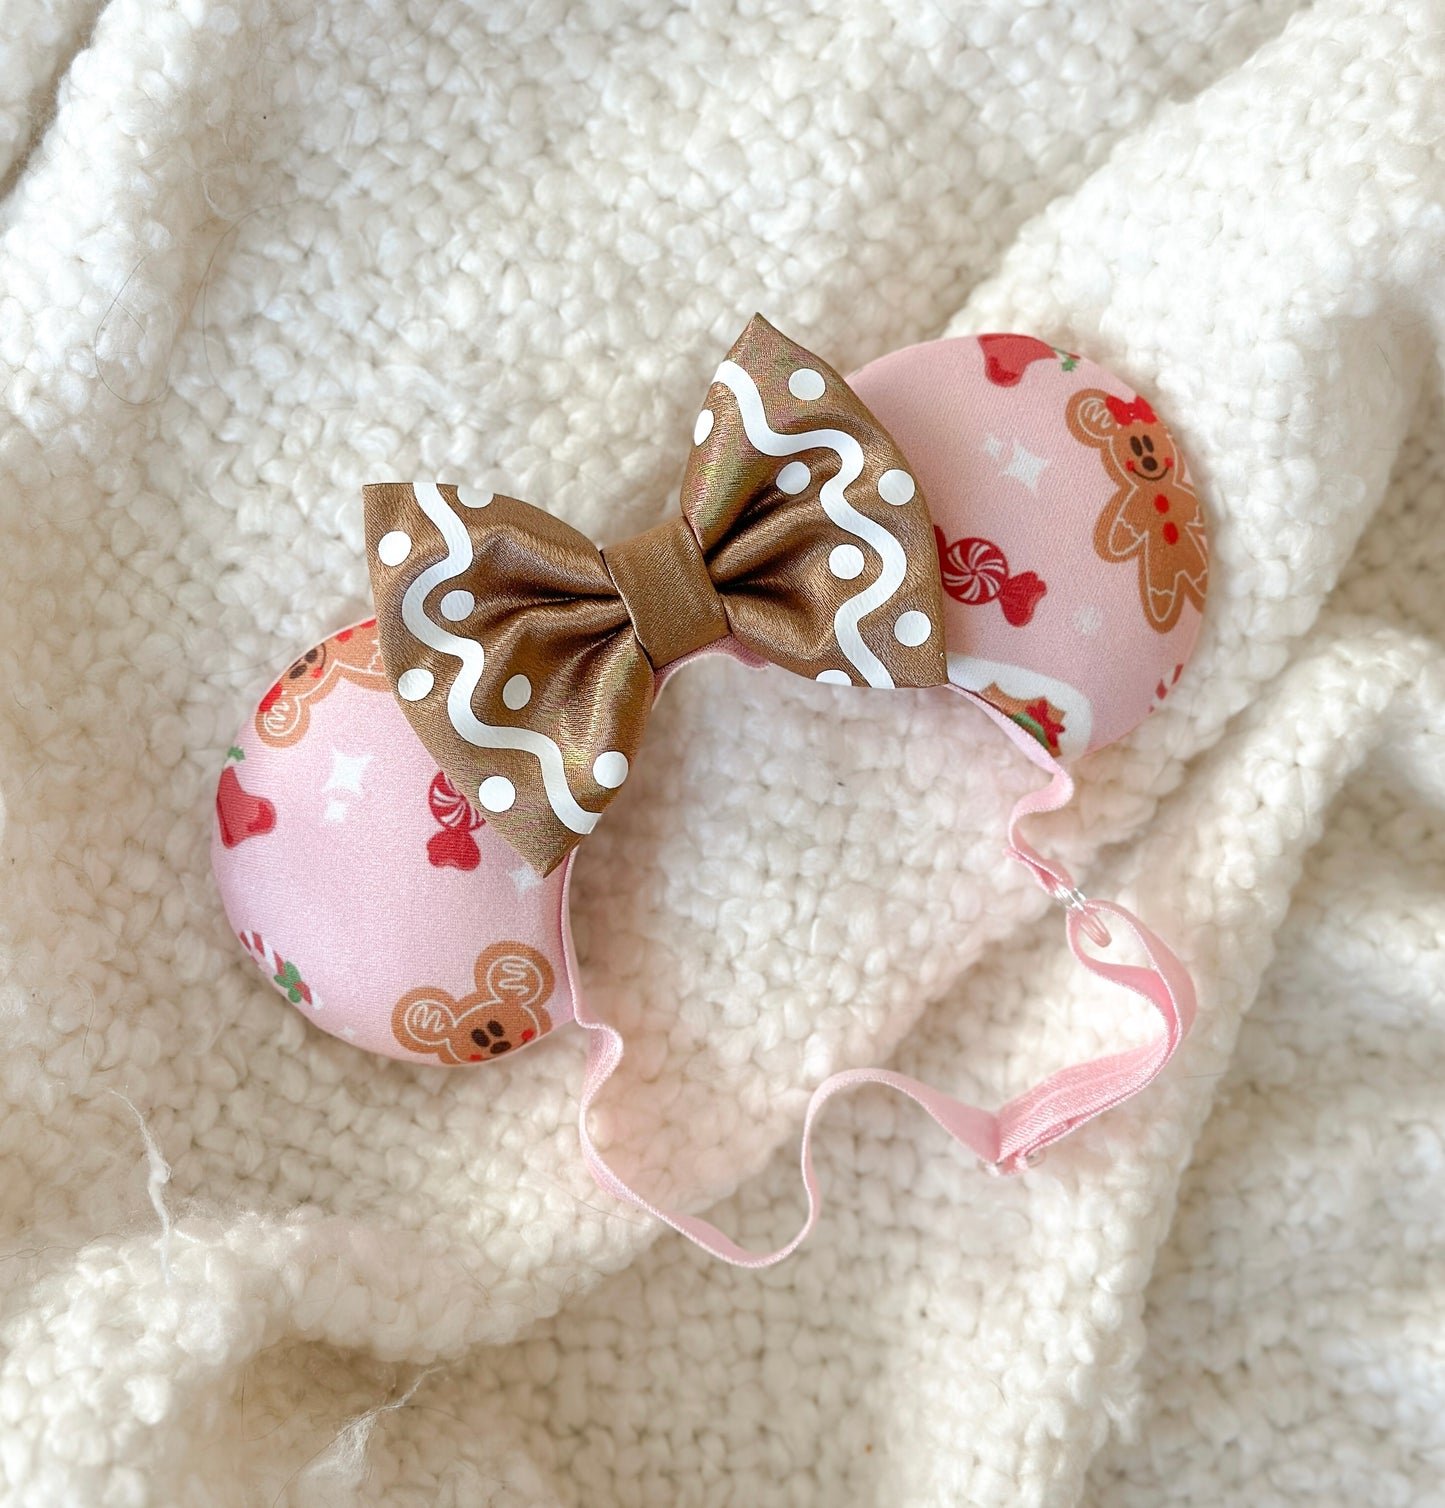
(1137, 412)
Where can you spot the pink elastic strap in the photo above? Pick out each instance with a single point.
(1014, 1137)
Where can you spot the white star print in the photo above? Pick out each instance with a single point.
(992, 446)
(346, 772)
(1026, 467)
(1088, 620)
(335, 811)
(525, 878)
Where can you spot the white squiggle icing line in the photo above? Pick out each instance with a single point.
(836, 505)
(459, 699)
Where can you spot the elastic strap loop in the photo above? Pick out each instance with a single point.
(1004, 1142)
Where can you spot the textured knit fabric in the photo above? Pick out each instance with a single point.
(251, 256)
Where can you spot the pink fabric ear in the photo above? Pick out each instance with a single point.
(1072, 546)
(373, 897)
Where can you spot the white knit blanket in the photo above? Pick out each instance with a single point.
(252, 255)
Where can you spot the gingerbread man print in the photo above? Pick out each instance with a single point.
(505, 1011)
(352, 655)
(1153, 516)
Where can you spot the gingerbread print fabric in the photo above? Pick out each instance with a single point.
(506, 1010)
(370, 894)
(1153, 515)
(352, 655)
(1071, 542)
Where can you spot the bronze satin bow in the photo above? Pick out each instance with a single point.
(526, 658)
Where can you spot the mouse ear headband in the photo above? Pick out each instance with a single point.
(376, 876)
(525, 657)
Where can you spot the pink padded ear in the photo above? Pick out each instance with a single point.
(1073, 548)
(366, 889)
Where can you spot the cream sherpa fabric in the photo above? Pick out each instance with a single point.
(251, 255)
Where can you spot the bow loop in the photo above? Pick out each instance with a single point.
(814, 530)
(512, 655)
(526, 659)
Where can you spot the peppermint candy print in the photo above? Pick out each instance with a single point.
(975, 571)
(453, 847)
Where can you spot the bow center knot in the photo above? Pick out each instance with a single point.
(663, 581)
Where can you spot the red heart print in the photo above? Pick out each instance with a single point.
(1006, 357)
(241, 814)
